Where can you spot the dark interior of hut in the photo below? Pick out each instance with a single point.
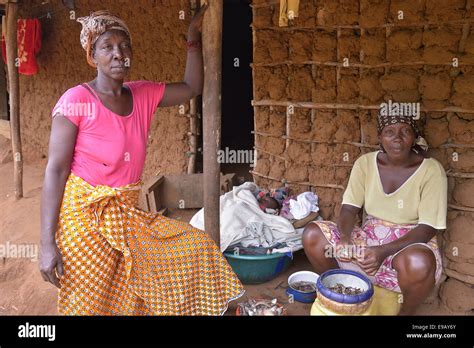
(237, 91)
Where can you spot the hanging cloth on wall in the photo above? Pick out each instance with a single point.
(29, 44)
(288, 11)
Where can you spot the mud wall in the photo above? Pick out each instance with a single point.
(318, 83)
(158, 36)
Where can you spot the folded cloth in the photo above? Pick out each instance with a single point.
(304, 204)
(242, 221)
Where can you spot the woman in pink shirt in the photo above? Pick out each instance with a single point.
(107, 256)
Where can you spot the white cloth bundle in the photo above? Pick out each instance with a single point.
(305, 204)
(242, 221)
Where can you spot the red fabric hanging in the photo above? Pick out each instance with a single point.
(29, 45)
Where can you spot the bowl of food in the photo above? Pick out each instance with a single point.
(302, 286)
(345, 291)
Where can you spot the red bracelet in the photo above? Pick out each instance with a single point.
(193, 45)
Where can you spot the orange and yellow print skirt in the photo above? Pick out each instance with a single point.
(120, 260)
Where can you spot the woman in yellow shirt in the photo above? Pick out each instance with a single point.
(404, 194)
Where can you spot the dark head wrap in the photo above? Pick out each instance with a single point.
(385, 119)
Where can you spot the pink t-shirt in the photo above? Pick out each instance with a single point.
(110, 149)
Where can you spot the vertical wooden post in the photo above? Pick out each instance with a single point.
(14, 91)
(193, 133)
(193, 119)
(211, 108)
(254, 88)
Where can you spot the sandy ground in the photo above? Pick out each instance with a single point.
(23, 291)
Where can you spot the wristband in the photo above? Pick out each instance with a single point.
(193, 45)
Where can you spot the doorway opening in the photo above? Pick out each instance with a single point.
(237, 144)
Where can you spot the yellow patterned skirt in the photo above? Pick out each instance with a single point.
(120, 260)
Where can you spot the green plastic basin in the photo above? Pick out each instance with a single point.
(257, 269)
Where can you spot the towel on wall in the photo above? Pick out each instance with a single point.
(29, 44)
(288, 10)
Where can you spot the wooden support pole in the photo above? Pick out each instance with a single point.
(14, 91)
(254, 88)
(211, 108)
(310, 105)
(355, 65)
(284, 181)
(466, 29)
(458, 207)
(460, 175)
(193, 119)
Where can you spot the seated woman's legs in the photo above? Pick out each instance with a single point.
(416, 267)
(316, 246)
